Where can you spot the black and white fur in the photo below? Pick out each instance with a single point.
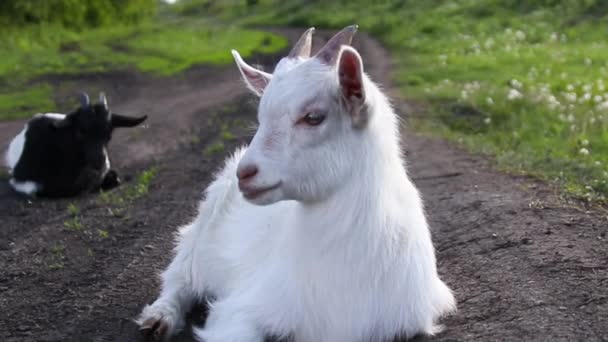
(58, 155)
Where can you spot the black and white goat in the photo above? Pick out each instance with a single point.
(59, 155)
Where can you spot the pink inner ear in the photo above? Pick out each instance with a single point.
(350, 76)
(256, 79)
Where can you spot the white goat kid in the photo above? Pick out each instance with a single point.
(327, 239)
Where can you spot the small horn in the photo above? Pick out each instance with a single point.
(103, 100)
(329, 53)
(302, 46)
(84, 99)
(126, 121)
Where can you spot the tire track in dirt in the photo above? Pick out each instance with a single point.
(523, 266)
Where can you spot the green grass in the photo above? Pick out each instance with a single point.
(214, 148)
(57, 257)
(25, 102)
(463, 58)
(74, 224)
(164, 46)
(117, 199)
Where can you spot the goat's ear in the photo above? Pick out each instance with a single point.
(350, 75)
(255, 79)
(126, 121)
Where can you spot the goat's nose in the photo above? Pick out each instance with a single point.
(246, 172)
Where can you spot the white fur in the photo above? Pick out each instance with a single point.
(56, 116)
(15, 149)
(13, 154)
(106, 165)
(27, 187)
(339, 252)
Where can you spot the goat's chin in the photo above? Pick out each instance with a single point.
(266, 198)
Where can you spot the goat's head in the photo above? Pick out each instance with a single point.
(95, 122)
(311, 113)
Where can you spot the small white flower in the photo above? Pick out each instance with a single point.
(598, 163)
(569, 87)
(489, 101)
(552, 102)
(570, 118)
(514, 94)
(487, 121)
(520, 35)
(463, 94)
(554, 36)
(570, 97)
(585, 142)
(603, 106)
(588, 61)
(597, 98)
(516, 84)
(587, 88)
(584, 151)
(586, 97)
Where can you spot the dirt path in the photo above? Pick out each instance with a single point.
(524, 267)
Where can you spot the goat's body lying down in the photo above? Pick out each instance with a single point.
(271, 271)
(337, 250)
(59, 155)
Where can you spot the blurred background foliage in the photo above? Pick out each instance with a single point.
(523, 81)
(78, 14)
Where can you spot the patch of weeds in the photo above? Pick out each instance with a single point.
(214, 148)
(103, 233)
(74, 224)
(117, 199)
(73, 209)
(226, 135)
(141, 187)
(57, 256)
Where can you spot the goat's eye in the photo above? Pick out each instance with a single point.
(313, 119)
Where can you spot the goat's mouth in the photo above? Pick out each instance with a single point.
(251, 193)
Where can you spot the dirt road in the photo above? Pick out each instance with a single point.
(524, 266)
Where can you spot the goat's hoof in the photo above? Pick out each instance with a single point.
(110, 181)
(154, 329)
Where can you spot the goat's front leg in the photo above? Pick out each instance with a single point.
(166, 316)
(230, 320)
